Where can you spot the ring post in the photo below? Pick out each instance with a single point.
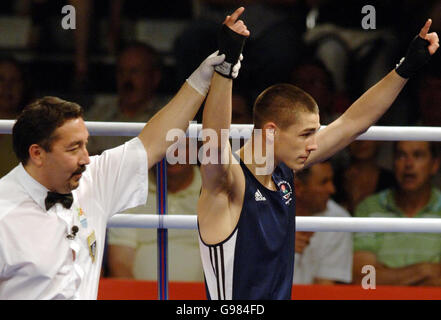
(161, 208)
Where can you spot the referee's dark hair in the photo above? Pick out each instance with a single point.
(37, 123)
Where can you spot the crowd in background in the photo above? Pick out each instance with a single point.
(126, 58)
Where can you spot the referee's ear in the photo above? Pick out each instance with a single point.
(36, 155)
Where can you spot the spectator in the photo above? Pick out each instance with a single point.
(132, 252)
(15, 93)
(363, 176)
(321, 257)
(403, 258)
(138, 76)
(312, 76)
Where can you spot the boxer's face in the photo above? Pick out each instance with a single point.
(294, 144)
(64, 164)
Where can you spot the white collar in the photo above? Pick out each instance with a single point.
(36, 190)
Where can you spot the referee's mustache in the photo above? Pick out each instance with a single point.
(80, 170)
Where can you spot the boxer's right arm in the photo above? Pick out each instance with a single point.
(216, 118)
(177, 114)
(216, 121)
(217, 215)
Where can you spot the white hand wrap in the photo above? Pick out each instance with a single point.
(200, 79)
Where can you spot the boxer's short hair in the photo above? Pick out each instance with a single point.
(281, 104)
(37, 123)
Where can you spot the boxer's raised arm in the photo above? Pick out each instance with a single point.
(216, 119)
(364, 112)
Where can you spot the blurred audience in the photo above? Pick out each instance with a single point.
(362, 176)
(138, 74)
(335, 31)
(428, 95)
(101, 28)
(241, 111)
(15, 93)
(271, 51)
(321, 257)
(403, 258)
(357, 57)
(15, 89)
(312, 76)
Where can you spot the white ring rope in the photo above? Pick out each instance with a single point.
(343, 224)
(326, 224)
(382, 133)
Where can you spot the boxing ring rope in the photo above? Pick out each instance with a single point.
(162, 221)
(382, 133)
(324, 224)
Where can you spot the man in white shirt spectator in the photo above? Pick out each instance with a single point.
(321, 257)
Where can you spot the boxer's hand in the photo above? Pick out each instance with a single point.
(200, 79)
(431, 37)
(231, 40)
(237, 25)
(418, 54)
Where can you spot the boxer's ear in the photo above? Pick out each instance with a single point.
(270, 130)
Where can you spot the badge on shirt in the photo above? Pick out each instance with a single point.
(286, 189)
(82, 217)
(91, 242)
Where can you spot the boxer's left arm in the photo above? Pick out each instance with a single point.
(364, 112)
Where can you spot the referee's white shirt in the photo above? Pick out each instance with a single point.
(37, 260)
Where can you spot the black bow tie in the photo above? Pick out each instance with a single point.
(53, 197)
